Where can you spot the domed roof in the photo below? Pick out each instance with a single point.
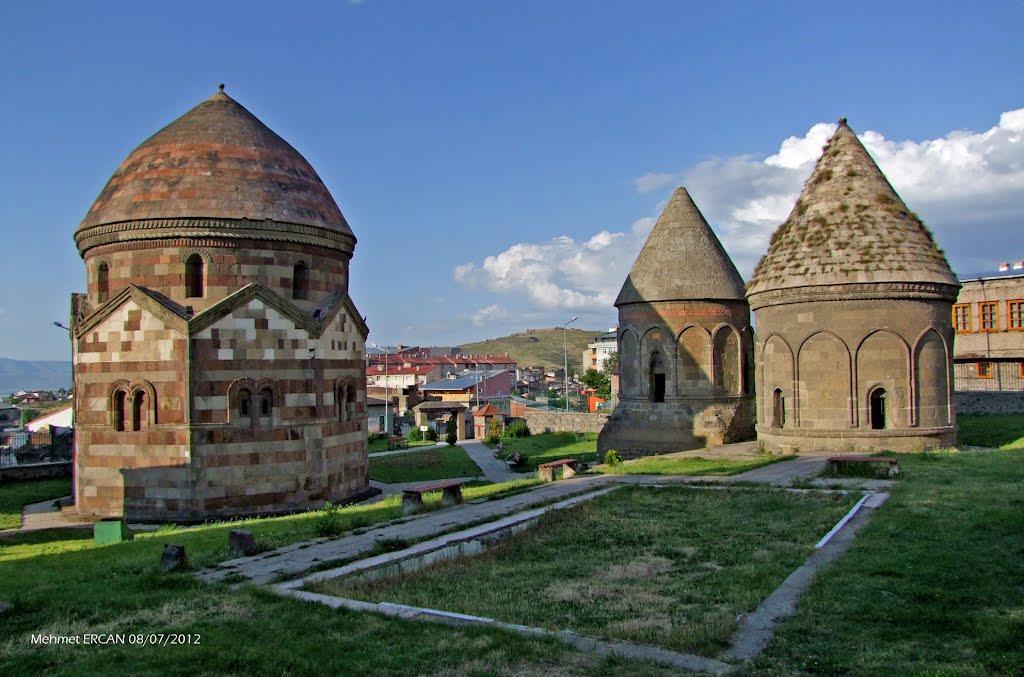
(850, 227)
(217, 161)
(681, 260)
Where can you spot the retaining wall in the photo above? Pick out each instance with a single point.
(982, 402)
(560, 421)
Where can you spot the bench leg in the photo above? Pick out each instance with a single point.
(546, 474)
(568, 471)
(412, 504)
(452, 496)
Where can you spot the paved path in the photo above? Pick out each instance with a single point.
(297, 558)
(494, 469)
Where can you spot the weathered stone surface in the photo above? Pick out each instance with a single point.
(173, 558)
(1005, 402)
(556, 421)
(241, 543)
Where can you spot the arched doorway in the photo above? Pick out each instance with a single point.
(657, 378)
(877, 403)
(778, 409)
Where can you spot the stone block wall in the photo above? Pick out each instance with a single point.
(560, 421)
(980, 402)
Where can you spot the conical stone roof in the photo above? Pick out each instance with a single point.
(850, 227)
(217, 161)
(681, 260)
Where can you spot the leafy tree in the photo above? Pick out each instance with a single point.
(611, 364)
(598, 381)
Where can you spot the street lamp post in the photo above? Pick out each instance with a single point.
(565, 361)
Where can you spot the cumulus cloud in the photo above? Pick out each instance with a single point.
(489, 315)
(963, 184)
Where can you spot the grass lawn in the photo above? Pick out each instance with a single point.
(1003, 431)
(381, 444)
(60, 583)
(693, 465)
(545, 447)
(421, 466)
(933, 585)
(672, 567)
(16, 495)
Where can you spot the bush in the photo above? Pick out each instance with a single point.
(612, 458)
(517, 428)
(493, 431)
(329, 522)
(430, 435)
(451, 439)
(414, 435)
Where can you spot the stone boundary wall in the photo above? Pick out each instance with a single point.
(560, 421)
(982, 402)
(35, 471)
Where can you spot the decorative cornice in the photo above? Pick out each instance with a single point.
(231, 229)
(918, 291)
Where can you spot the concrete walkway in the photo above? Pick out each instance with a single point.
(495, 470)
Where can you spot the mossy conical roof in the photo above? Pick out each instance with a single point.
(849, 226)
(681, 260)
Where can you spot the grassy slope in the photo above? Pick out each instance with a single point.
(933, 585)
(672, 567)
(15, 495)
(545, 447)
(658, 465)
(419, 466)
(539, 347)
(1001, 432)
(381, 444)
(60, 583)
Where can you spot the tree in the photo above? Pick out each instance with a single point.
(611, 364)
(599, 382)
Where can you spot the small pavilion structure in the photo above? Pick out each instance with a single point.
(482, 417)
(429, 411)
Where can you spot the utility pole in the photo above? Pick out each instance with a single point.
(565, 360)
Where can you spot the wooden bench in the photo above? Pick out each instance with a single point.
(398, 442)
(569, 466)
(837, 462)
(514, 460)
(412, 498)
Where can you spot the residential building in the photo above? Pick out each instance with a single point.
(603, 346)
(988, 316)
(469, 386)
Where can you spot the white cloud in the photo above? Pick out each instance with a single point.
(959, 183)
(490, 315)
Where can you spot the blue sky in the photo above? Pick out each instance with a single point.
(462, 138)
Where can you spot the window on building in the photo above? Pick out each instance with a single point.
(989, 315)
(877, 413)
(266, 402)
(103, 282)
(138, 409)
(657, 378)
(245, 404)
(120, 399)
(1015, 315)
(300, 281)
(962, 317)
(350, 403)
(194, 276)
(778, 409)
(985, 370)
(340, 404)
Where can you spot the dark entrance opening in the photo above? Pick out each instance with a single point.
(877, 409)
(657, 378)
(778, 409)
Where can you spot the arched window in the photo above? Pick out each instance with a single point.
(340, 403)
(103, 282)
(194, 276)
(245, 405)
(350, 403)
(300, 281)
(778, 409)
(138, 409)
(877, 413)
(266, 402)
(120, 398)
(657, 378)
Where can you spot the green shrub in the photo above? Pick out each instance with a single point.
(451, 438)
(493, 431)
(329, 522)
(414, 435)
(430, 435)
(611, 457)
(517, 428)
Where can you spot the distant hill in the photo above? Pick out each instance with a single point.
(536, 346)
(18, 375)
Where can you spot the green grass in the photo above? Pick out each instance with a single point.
(16, 495)
(1003, 431)
(672, 567)
(536, 347)
(934, 584)
(546, 447)
(421, 466)
(381, 444)
(59, 582)
(692, 465)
